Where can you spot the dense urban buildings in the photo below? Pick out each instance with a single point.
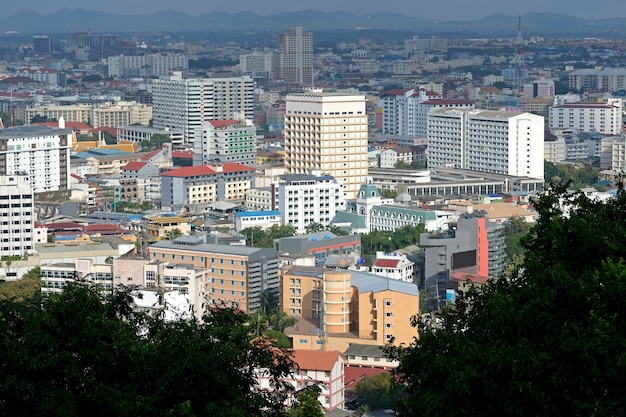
(221, 141)
(327, 133)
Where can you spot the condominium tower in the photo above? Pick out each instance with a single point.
(187, 103)
(295, 59)
(327, 133)
(17, 214)
(509, 143)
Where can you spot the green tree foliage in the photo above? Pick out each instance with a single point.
(78, 356)
(156, 141)
(173, 234)
(264, 238)
(549, 340)
(338, 230)
(37, 119)
(9, 121)
(279, 320)
(376, 392)
(26, 289)
(387, 241)
(578, 175)
(314, 227)
(279, 339)
(307, 403)
(414, 165)
(514, 231)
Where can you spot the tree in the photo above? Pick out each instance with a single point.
(157, 140)
(25, 289)
(514, 231)
(307, 403)
(314, 227)
(337, 230)
(173, 234)
(75, 355)
(376, 392)
(549, 340)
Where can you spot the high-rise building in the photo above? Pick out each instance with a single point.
(509, 143)
(150, 65)
(42, 44)
(41, 152)
(305, 199)
(327, 133)
(295, 59)
(220, 141)
(17, 214)
(606, 118)
(187, 103)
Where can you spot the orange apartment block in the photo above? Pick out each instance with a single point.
(339, 307)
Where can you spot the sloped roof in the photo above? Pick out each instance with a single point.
(386, 263)
(193, 171)
(316, 360)
(134, 166)
(223, 123)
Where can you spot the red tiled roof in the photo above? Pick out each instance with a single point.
(462, 277)
(193, 171)
(397, 92)
(446, 102)
(352, 375)
(102, 227)
(315, 359)
(387, 263)
(150, 155)
(14, 95)
(134, 166)
(78, 177)
(182, 154)
(68, 125)
(234, 167)
(223, 123)
(64, 225)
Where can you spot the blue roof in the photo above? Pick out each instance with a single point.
(258, 213)
(99, 152)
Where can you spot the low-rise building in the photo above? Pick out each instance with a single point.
(393, 265)
(263, 219)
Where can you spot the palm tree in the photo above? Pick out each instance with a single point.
(314, 227)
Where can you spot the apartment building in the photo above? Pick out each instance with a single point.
(187, 103)
(605, 79)
(41, 152)
(221, 141)
(321, 246)
(257, 64)
(305, 199)
(99, 115)
(17, 216)
(204, 184)
(339, 307)
(237, 274)
(605, 118)
(475, 245)
(262, 219)
(510, 143)
(295, 58)
(314, 367)
(327, 133)
(393, 265)
(145, 66)
(140, 133)
(161, 227)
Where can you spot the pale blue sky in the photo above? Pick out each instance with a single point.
(440, 9)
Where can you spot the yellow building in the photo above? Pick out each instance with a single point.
(158, 228)
(101, 114)
(339, 307)
(236, 275)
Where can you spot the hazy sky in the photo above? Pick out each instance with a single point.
(439, 9)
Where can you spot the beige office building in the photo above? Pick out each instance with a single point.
(326, 133)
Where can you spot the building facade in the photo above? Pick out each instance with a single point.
(305, 199)
(295, 59)
(327, 133)
(17, 216)
(187, 103)
(221, 141)
(204, 184)
(509, 143)
(605, 118)
(42, 153)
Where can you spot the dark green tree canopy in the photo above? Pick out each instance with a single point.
(548, 341)
(75, 355)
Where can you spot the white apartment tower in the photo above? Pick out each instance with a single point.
(222, 141)
(508, 143)
(605, 118)
(305, 199)
(295, 59)
(327, 133)
(40, 152)
(187, 103)
(17, 215)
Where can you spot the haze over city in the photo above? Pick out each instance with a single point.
(445, 10)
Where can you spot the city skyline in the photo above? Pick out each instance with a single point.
(446, 10)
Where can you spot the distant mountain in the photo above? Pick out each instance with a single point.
(77, 20)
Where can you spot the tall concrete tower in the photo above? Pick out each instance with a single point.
(295, 59)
